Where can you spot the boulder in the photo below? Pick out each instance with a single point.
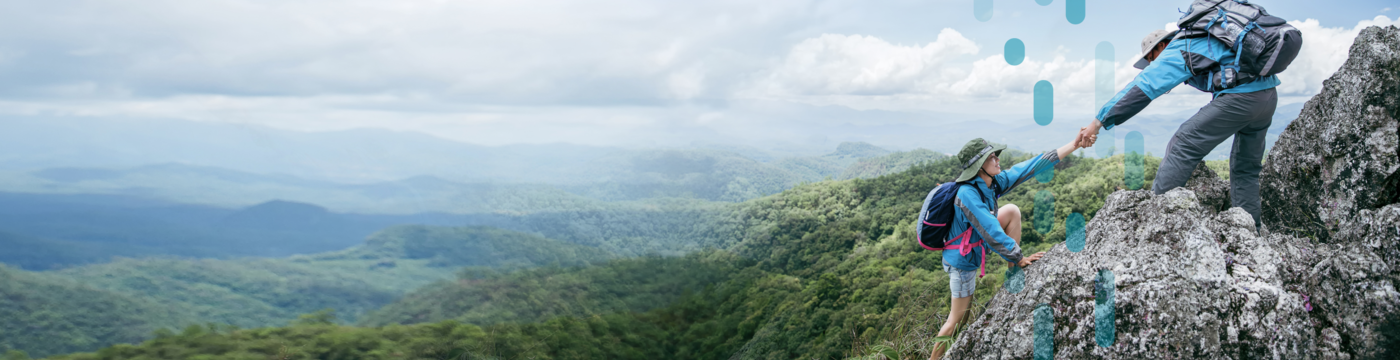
(1340, 155)
(1210, 189)
(1189, 282)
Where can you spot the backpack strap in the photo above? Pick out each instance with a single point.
(965, 248)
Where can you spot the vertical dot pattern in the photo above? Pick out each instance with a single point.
(1103, 74)
(1104, 289)
(1134, 160)
(1044, 329)
(1074, 11)
(1015, 51)
(1044, 101)
(1015, 279)
(1044, 219)
(1103, 92)
(1045, 177)
(1074, 232)
(982, 10)
(1106, 147)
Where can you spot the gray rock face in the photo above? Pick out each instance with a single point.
(1194, 283)
(1210, 189)
(1191, 277)
(1340, 155)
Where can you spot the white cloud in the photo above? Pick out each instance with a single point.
(854, 64)
(1324, 51)
(687, 83)
(865, 72)
(537, 70)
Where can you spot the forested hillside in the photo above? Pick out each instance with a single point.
(50, 314)
(813, 272)
(888, 164)
(256, 292)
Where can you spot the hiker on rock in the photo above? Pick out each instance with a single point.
(978, 223)
(1230, 49)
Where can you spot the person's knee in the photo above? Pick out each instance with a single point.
(1009, 213)
(1011, 209)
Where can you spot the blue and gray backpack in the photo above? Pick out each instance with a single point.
(935, 223)
(935, 217)
(1264, 44)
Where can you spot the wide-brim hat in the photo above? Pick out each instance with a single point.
(1151, 41)
(974, 154)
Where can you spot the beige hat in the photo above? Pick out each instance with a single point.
(1152, 39)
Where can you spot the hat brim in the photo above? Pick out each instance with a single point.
(971, 171)
(1142, 62)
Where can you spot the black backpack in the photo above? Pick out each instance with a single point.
(1264, 44)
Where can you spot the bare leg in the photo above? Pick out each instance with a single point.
(1010, 218)
(957, 314)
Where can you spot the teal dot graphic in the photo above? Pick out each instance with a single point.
(1105, 146)
(1134, 159)
(1015, 279)
(1044, 212)
(1074, 11)
(1044, 2)
(1044, 99)
(982, 10)
(1104, 288)
(1074, 232)
(1045, 177)
(1103, 74)
(1044, 329)
(1103, 92)
(1015, 51)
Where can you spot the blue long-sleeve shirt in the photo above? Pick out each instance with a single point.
(1189, 61)
(976, 210)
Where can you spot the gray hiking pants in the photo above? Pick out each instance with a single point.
(1246, 116)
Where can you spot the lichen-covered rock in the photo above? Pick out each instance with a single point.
(1193, 283)
(1340, 156)
(1210, 189)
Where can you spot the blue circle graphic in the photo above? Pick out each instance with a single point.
(1074, 11)
(1015, 51)
(1044, 101)
(982, 10)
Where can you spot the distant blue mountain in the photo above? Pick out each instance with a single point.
(360, 155)
(53, 231)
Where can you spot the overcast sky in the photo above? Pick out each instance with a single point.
(603, 72)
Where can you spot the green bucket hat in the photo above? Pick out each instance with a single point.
(974, 154)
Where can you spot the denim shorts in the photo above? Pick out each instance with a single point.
(961, 282)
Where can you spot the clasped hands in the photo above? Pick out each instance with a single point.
(1088, 135)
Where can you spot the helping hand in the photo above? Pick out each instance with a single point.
(1026, 261)
(1089, 134)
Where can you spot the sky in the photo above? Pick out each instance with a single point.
(606, 72)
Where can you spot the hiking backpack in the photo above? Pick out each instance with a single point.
(1264, 44)
(935, 223)
(936, 217)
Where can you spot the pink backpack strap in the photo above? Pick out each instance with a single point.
(983, 265)
(965, 248)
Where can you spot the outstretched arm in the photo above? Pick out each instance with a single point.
(1019, 173)
(1064, 151)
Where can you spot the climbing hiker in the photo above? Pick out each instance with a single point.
(1232, 49)
(978, 223)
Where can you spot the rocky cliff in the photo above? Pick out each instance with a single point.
(1339, 157)
(1179, 276)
